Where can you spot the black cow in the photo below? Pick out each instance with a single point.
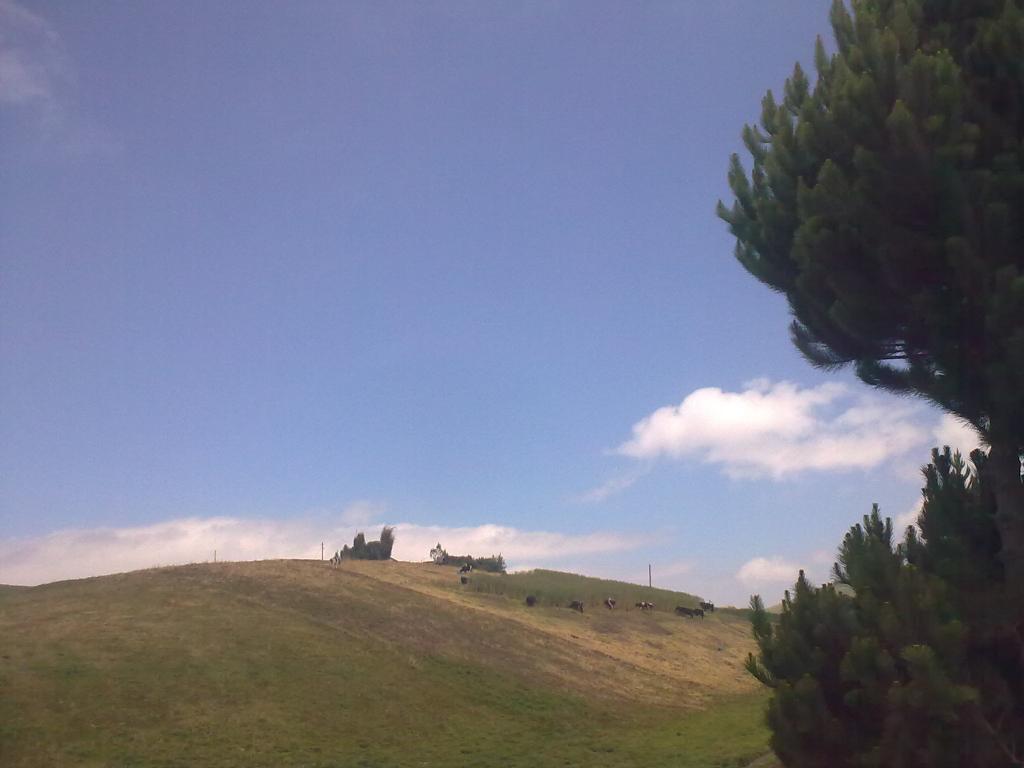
(577, 605)
(531, 601)
(466, 568)
(709, 607)
(463, 580)
(682, 610)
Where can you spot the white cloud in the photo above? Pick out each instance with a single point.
(777, 429)
(524, 568)
(958, 435)
(78, 553)
(900, 522)
(413, 542)
(768, 570)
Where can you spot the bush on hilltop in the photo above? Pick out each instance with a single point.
(362, 549)
(492, 564)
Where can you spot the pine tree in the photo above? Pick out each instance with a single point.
(886, 201)
(913, 664)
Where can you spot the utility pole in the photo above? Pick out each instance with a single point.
(321, 551)
(215, 555)
(648, 574)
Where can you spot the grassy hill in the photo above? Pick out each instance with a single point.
(295, 663)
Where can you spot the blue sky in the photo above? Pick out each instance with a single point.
(271, 272)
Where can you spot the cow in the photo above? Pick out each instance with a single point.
(609, 603)
(466, 568)
(645, 605)
(682, 610)
(576, 605)
(531, 601)
(709, 607)
(336, 559)
(463, 580)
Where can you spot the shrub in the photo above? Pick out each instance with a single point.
(492, 564)
(361, 549)
(438, 554)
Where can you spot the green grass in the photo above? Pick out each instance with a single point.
(729, 734)
(291, 664)
(558, 588)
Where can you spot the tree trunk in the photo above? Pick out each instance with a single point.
(1004, 462)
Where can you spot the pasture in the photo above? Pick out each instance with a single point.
(295, 663)
(555, 588)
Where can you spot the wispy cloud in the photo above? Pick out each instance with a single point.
(673, 569)
(78, 553)
(772, 571)
(37, 84)
(363, 512)
(778, 429)
(33, 65)
(615, 485)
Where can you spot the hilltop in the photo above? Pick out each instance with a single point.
(372, 663)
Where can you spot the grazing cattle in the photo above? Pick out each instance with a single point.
(466, 568)
(577, 605)
(463, 580)
(709, 607)
(682, 610)
(531, 601)
(609, 603)
(335, 559)
(645, 605)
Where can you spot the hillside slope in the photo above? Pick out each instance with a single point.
(373, 664)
